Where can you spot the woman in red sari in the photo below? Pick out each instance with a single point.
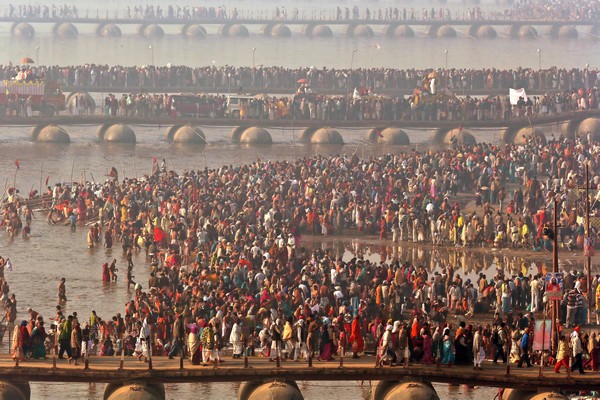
(20, 343)
(105, 273)
(358, 343)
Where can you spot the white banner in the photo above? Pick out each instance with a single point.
(514, 95)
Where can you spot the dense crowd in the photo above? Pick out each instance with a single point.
(523, 10)
(428, 99)
(418, 107)
(262, 78)
(231, 268)
(570, 10)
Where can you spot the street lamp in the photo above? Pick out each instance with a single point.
(228, 84)
(539, 59)
(349, 80)
(37, 55)
(152, 53)
(446, 53)
(352, 59)
(253, 53)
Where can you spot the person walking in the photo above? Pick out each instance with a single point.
(207, 340)
(178, 337)
(499, 340)
(577, 349)
(236, 339)
(478, 351)
(562, 355)
(76, 339)
(64, 338)
(524, 345)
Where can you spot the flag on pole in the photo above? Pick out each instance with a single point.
(47, 179)
(17, 164)
(9, 266)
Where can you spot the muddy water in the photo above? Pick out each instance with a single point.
(55, 252)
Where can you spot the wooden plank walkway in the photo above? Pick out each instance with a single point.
(259, 21)
(285, 123)
(107, 369)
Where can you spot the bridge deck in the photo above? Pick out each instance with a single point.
(250, 21)
(288, 123)
(106, 369)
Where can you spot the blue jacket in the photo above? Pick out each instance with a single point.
(525, 341)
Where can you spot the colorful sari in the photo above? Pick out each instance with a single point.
(447, 353)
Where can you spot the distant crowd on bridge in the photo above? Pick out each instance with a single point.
(365, 107)
(369, 99)
(274, 79)
(570, 10)
(233, 270)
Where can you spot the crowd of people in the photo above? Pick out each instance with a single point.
(263, 78)
(428, 100)
(522, 10)
(233, 268)
(418, 107)
(570, 10)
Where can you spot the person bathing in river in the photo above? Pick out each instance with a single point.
(105, 273)
(113, 270)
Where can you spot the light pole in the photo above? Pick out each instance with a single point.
(228, 84)
(152, 53)
(352, 59)
(37, 55)
(253, 53)
(589, 244)
(349, 95)
(540, 67)
(446, 54)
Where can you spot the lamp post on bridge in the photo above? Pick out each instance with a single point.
(37, 55)
(253, 59)
(228, 84)
(446, 54)
(151, 53)
(349, 80)
(153, 68)
(540, 68)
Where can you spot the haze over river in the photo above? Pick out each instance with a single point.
(378, 51)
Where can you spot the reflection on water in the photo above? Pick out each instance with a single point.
(340, 390)
(466, 261)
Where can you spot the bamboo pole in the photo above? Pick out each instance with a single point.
(72, 169)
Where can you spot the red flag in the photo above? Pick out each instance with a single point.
(17, 164)
(47, 179)
(459, 128)
(159, 235)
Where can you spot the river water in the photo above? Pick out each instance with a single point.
(378, 51)
(55, 252)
